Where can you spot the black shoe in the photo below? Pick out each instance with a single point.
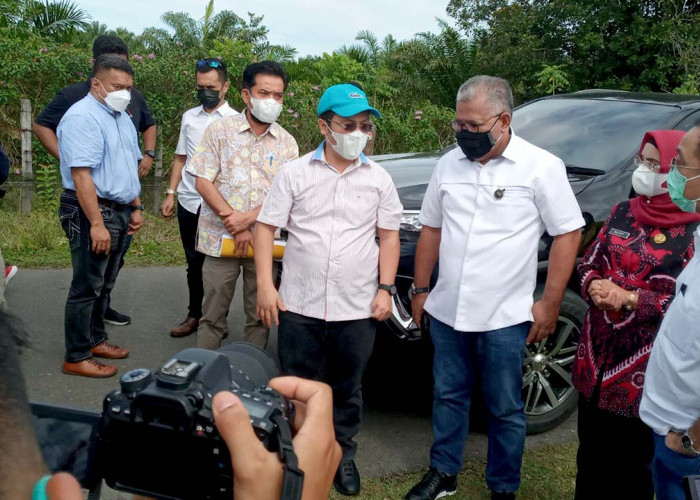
(114, 318)
(434, 485)
(347, 478)
(502, 495)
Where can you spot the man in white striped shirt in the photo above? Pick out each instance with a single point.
(337, 282)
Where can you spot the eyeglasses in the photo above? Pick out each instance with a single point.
(648, 164)
(212, 63)
(674, 163)
(350, 127)
(458, 125)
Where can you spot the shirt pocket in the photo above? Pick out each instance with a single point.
(507, 207)
(361, 206)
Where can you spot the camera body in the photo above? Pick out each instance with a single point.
(157, 435)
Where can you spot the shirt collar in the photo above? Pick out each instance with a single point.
(320, 155)
(221, 110)
(273, 129)
(104, 106)
(513, 149)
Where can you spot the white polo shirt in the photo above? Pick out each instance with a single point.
(492, 217)
(194, 122)
(671, 398)
(331, 261)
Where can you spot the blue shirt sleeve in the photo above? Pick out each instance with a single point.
(80, 142)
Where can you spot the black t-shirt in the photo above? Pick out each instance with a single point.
(51, 115)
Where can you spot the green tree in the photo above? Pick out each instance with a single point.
(57, 20)
(552, 78)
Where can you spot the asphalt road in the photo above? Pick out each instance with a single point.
(391, 440)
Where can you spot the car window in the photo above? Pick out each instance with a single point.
(590, 133)
(689, 121)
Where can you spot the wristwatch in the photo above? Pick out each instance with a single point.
(389, 288)
(687, 444)
(150, 153)
(136, 207)
(416, 291)
(170, 191)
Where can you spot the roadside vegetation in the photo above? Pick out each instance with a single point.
(549, 473)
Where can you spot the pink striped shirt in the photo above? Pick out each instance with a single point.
(331, 262)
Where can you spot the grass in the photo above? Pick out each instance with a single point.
(549, 473)
(37, 241)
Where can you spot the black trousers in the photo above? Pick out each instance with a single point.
(195, 260)
(334, 352)
(614, 456)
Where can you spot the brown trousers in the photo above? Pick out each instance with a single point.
(219, 276)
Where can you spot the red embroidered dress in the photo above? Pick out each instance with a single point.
(614, 346)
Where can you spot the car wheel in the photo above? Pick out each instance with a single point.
(548, 393)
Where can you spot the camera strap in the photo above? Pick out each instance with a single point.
(293, 478)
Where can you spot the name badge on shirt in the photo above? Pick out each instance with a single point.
(618, 232)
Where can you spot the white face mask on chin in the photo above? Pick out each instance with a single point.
(648, 183)
(117, 100)
(349, 146)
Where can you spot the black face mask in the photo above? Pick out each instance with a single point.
(476, 144)
(208, 98)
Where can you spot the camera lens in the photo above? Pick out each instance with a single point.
(252, 367)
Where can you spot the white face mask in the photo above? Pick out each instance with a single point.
(648, 183)
(117, 100)
(265, 110)
(349, 146)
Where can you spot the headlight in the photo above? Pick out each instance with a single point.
(410, 222)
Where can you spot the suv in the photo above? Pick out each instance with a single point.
(596, 133)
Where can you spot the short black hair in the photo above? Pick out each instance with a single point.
(202, 66)
(110, 61)
(263, 68)
(109, 44)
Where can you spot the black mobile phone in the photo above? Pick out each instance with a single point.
(67, 438)
(692, 487)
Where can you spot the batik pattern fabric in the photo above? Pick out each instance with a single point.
(614, 346)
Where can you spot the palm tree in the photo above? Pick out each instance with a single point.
(57, 20)
(200, 34)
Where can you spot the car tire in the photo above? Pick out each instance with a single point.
(548, 394)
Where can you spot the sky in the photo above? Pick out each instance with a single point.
(311, 26)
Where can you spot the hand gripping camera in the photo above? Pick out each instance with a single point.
(157, 435)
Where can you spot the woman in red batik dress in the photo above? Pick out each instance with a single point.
(628, 277)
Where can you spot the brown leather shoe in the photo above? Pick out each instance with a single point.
(109, 351)
(90, 367)
(187, 327)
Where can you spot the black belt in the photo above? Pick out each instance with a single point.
(114, 205)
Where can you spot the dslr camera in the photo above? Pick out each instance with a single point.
(156, 435)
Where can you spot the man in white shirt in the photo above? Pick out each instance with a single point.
(671, 399)
(486, 207)
(337, 282)
(212, 85)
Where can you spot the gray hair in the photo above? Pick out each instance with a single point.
(497, 91)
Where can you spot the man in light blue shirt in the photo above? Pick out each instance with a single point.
(100, 205)
(671, 400)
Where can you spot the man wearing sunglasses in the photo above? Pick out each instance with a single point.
(47, 122)
(233, 167)
(671, 399)
(337, 282)
(212, 85)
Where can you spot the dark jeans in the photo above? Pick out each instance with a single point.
(496, 359)
(334, 352)
(188, 233)
(614, 455)
(669, 469)
(94, 275)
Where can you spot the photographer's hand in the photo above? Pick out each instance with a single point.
(257, 473)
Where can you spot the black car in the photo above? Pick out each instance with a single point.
(596, 133)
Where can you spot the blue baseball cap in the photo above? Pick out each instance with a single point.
(345, 100)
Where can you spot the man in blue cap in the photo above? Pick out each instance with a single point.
(337, 282)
